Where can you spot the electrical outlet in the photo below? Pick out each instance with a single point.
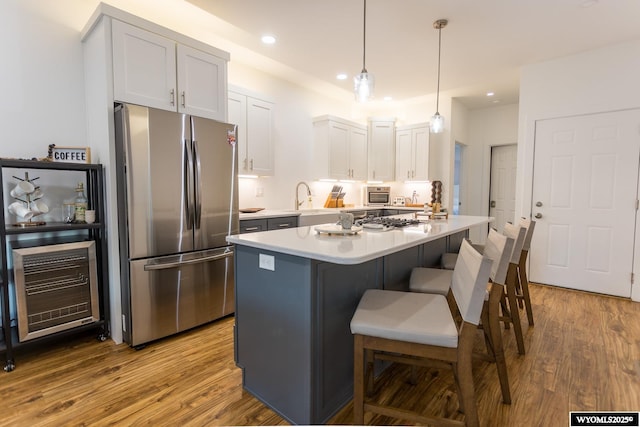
(259, 192)
(267, 262)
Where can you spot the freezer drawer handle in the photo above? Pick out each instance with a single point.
(149, 267)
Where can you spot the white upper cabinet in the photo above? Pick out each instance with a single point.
(381, 150)
(254, 118)
(412, 152)
(155, 71)
(201, 83)
(340, 149)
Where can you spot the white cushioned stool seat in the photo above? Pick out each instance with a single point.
(430, 280)
(405, 316)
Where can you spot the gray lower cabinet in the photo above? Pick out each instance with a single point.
(264, 224)
(293, 339)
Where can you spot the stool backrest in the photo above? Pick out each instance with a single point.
(530, 225)
(469, 282)
(517, 233)
(498, 249)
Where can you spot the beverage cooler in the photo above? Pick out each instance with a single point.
(56, 288)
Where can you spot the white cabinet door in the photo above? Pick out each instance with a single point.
(381, 151)
(404, 155)
(358, 153)
(412, 153)
(254, 118)
(201, 83)
(339, 152)
(144, 67)
(420, 139)
(260, 136)
(237, 115)
(340, 149)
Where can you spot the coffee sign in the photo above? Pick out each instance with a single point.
(71, 154)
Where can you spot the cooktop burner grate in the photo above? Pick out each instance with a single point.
(387, 221)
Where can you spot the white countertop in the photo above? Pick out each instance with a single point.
(354, 249)
(273, 213)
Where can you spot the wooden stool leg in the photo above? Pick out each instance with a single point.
(513, 306)
(464, 376)
(496, 338)
(369, 371)
(506, 314)
(358, 380)
(524, 283)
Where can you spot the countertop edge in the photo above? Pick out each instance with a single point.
(246, 240)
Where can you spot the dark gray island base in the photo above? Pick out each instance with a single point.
(292, 335)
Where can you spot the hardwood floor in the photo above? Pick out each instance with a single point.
(582, 354)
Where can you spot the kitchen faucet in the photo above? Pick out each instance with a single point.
(298, 202)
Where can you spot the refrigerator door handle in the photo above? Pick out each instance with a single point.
(174, 264)
(198, 186)
(188, 177)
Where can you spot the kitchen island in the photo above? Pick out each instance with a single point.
(296, 291)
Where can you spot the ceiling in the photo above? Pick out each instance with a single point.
(484, 45)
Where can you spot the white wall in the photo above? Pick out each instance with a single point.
(488, 127)
(42, 82)
(600, 80)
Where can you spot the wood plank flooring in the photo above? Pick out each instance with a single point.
(582, 354)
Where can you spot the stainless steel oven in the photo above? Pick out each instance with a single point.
(378, 196)
(56, 288)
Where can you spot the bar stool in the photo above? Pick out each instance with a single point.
(499, 249)
(422, 327)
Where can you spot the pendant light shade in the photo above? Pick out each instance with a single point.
(364, 82)
(436, 125)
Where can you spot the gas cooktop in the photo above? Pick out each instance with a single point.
(385, 223)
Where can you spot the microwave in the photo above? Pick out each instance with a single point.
(378, 196)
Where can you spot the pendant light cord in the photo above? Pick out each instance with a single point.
(439, 49)
(364, 37)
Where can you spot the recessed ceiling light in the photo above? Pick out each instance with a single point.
(268, 39)
(341, 76)
(387, 98)
(490, 93)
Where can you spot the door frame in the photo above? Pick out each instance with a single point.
(490, 169)
(486, 175)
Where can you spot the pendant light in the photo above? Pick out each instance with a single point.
(364, 82)
(437, 121)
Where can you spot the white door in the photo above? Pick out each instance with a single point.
(502, 192)
(584, 201)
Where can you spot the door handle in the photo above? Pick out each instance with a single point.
(538, 204)
(538, 215)
(493, 203)
(164, 266)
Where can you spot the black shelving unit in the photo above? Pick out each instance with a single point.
(94, 184)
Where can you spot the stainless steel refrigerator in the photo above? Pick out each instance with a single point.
(178, 200)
